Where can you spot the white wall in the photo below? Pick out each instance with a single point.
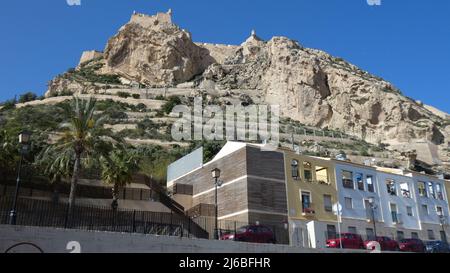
(52, 240)
(359, 211)
(432, 217)
(409, 222)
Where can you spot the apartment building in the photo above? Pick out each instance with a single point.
(296, 193)
(359, 196)
(253, 189)
(311, 193)
(433, 206)
(399, 205)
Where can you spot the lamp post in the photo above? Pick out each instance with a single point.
(216, 175)
(337, 209)
(373, 207)
(24, 140)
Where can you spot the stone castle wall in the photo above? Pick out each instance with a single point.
(89, 56)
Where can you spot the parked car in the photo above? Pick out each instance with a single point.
(386, 243)
(437, 247)
(252, 234)
(348, 240)
(412, 245)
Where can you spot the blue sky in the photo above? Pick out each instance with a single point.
(406, 42)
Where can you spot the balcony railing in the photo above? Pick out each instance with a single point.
(318, 181)
(308, 212)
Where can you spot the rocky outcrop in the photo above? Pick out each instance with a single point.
(62, 86)
(319, 90)
(154, 51)
(310, 86)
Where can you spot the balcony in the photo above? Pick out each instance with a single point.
(318, 181)
(308, 212)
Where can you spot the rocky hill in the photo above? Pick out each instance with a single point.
(311, 86)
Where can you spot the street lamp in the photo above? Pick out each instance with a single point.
(216, 175)
(373, 206)
(337, 209)
(24, 140)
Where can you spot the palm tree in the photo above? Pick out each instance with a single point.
(55, 166)
(117, 170)
(83, 140)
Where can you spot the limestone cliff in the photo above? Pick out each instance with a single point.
(319, 90)
(154, 51)
(310, 85)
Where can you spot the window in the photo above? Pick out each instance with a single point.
(328, 203)
(306, 201)
(439, 193)
(400, 235)
(360, 181)
(405, 190)
(370, 234)
(295, 172)
(425, 209)
(370, 213)
(422, 189)
(347, 179)
(409, 211)
(431, 235)
(331, 232)
(369, 181)
(414, 235)
(394, 213)
(390, 185)
(352, 230)
(443, 236)
(322, 175)
(431, 190)
(439, 211)
(348, 203)
(307, 171)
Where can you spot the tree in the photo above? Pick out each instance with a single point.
(83, 140)
(170, 104)
(117, 170)
(29, 96)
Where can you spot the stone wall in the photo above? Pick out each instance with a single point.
(89, 56)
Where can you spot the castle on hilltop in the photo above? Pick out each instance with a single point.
(150, 20)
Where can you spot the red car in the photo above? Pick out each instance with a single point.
(386, 244)
(252, 234)
(412, 245)
(348, 240)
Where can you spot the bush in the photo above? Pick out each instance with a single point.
(29, 96)
(88, 72)
(160, 97)
(114, 113)
(136, 96)
(9, 104)
(65, 92)
(123, 94)
(141, 107)
(168, 106)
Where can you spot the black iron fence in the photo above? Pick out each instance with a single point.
(31, 212)
(280, 233)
